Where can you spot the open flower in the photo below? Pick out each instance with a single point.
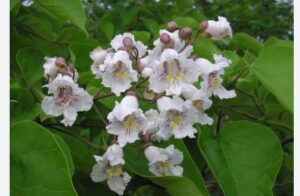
(98, 56)
(118, 42)
(164, 162)
(172, 72)
(176, 118)
(212, 82)
(219, 29)
(109, 167)
(200, 103)
(127, 120)
(50, 68)
(154, 119)
(57, 65)
(173, 42)
(67, 99)
(118, 73)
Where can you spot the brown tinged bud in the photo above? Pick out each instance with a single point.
(203, 26)
(128, 42)
(186, 33)
(194, 57)
(131, 93)
(60, 62)
(165, 38)
(110, 50)
(172, 26)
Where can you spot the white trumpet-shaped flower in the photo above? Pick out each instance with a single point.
(154, 119)
(109, 167)
(52, 69)
(164, 162)
(67, 99)
(175, 42)
(176, 118)
(219, 29)
(212, 82)
(98, 56)
(172, 72)
(127, 120)
(118, 73)
(200, 103)
(118, 42)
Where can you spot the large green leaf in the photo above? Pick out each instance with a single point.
(192, 180)
(186, 22)
(22, 106)
(274, 68)
(82, 155)
(68, 10)
(37, 27)
(274, 40)
(245, 157)
(243, 41)
(39, 165)
(205, 48)
(80, 55)
(31, 62)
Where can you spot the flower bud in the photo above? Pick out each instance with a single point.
(132, 93)
(172, 26)
(147, 72)
(109, 50)
(148, 94)
(203, 26)
(165, 38)
(60, 62)
(151, 153)
(128, 42)
(186, 33)
(194, 57)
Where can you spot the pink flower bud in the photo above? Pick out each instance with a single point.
(109, 50)
(128, 42)
(203, 26)
(172, 26)
(132, 93)
(165, 38)
(60, 61)
(186, 33)
(194, 57)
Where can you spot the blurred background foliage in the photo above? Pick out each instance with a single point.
(70, 28)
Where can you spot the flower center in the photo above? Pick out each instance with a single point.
(114, 171)
(65, 96)
(172, 71)
(213, 80)
(130, 122)
(198, 104)
(120, 71)
(164, 167)
(175, 117)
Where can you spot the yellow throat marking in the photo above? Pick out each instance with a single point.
(130, 123)
(120, 70)
(215, 82)
(198, 104)
(174, 124)
(164, 167)
(114, 171)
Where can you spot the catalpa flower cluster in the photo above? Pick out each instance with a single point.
(170, 74)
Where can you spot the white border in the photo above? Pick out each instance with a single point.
(4, 97)
(296, 97)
